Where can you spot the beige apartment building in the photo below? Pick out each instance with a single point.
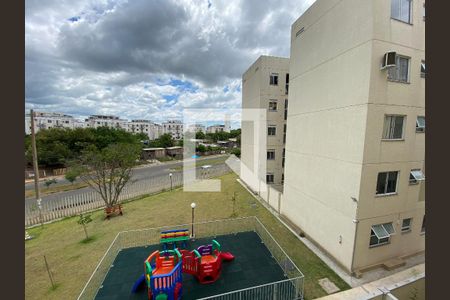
(355, 147)
(265, 86)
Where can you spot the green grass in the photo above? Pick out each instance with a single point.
(56, 189)
(72, 261)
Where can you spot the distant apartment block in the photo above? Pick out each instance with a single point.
(355, 146)
(216, 128)
(196, 128)
(45, 120)
(265, 86)
(152, 130)
(95, 121)
(174, 128)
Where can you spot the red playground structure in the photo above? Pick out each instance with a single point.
(205, 263)
(163, 269)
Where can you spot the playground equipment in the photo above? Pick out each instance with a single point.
(163, 269)
(205, 263)
(171, 237)
(163, 279)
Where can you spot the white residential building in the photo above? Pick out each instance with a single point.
(47, 120)
(215, 128)
(95, 121)
(152, 130)
(173, 127)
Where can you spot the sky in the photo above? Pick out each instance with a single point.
(148, 59)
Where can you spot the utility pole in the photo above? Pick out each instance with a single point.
(35, 167)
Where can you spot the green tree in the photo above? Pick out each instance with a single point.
(84, 220)
(236, 151)
(165, 141)
(200, 135)
(72, 174)
(201, 148)
(108, 170)
(49, 182)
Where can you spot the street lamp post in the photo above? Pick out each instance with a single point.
(171, 183)
(192, 229)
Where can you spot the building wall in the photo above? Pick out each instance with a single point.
(338, 98)
(257, 93)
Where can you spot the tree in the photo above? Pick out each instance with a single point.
(108, 170)
(165, 141)
(72, 174)
(200, 135)
(201, 148)
(49, 182)
(84, 220)
(236, 151)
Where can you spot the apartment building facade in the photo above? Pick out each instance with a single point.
(95, 121)
(355, 146)
(152, 130)
(265, 86)
(173, 127)
(47, 120)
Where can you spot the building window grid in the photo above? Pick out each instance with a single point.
(270, 154)
(400, 73)
(273, 105)
(401, 10)
(273, 79)
(271, 130)
(406, 225)
(393, 127)
(387, 183)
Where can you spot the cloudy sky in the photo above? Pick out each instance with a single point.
(148, 59)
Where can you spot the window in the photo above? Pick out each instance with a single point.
(269, 178)
(420, 124)
(282, 178)
(387, 183)
(380, 234)
(271, 130)
(423, 225)
(401, 10)
(285, 108)
(49, 121)
(400, 72)
(423, 12)
(284, 134)
(274, 79)
(287, 84)
(415, 176)
(273, 105)
(393, 127)
(422, 69)
(406, 225)
(270, 154)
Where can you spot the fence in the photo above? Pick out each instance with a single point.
(293, 286)
(55, 208)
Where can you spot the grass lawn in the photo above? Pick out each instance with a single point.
(73, 261)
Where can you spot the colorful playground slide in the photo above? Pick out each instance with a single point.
(163, 269)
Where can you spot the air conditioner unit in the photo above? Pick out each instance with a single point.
(388, 60)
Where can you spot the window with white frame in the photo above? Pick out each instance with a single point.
(380, 234)
(273, 79)
(422, 69)
(400, 72)
(273, 105)
(420, 124)
(270, 154)
(415, 176)
(269, 178)
(401, 10)
(272, 130)
(423, 225)
(393, 127)
(406, 225)
(387, 183)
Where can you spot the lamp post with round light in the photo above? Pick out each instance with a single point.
(170, 176)
(192, 229)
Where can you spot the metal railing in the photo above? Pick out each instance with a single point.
(291, 288)
(66, 206)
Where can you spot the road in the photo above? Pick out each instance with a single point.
(140, 173)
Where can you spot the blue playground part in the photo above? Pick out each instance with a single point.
(138, 284)
(195, 156)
